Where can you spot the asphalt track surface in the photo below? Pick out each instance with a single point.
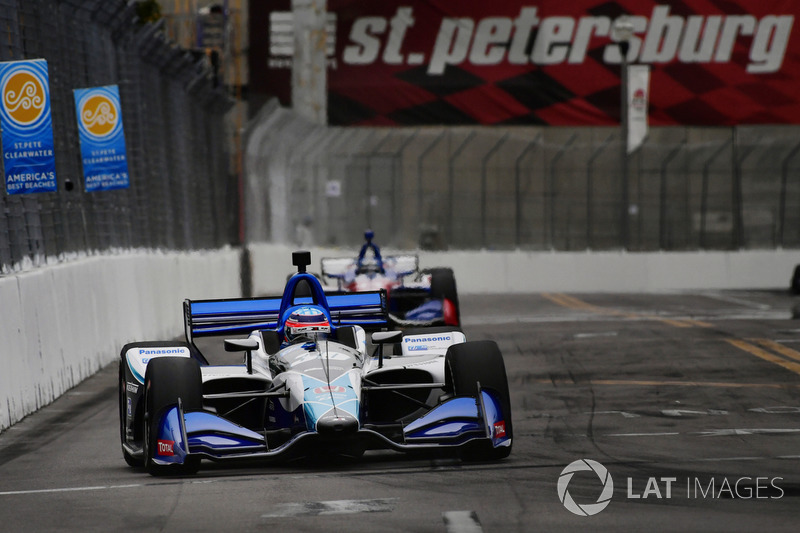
(688, 403)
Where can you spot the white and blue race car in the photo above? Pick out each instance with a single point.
(308, 384)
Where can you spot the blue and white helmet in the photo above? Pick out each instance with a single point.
(306, 321)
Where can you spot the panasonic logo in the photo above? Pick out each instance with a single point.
(427, 339)
(162, 351)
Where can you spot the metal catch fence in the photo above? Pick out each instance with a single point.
(529, 188)
(183, 192)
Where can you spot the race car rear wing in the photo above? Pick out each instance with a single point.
(243, 315)
(338, 267)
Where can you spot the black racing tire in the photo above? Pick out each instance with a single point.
(130, 459)
(795, 285)
(166, 380)
(470, 363)
(443, 285)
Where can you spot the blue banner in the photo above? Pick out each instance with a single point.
(105, 162)
(28, 155)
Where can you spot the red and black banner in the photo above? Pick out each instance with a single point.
(550, 62)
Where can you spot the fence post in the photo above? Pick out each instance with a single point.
(704, 192)
(551, 192)
(451, 184)
(589, 187)
(420, 159)
(374, 151)
(398, 156)
(663, 199)
(782, 204)
(485, 161)
(736, 191)
(518, 189)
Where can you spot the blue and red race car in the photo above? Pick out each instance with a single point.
(416, 298)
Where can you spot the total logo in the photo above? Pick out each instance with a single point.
(24, 96)
(166, 447)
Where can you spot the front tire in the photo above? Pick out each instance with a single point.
(166, 380)
(470, 363)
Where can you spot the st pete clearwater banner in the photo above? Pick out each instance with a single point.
(105, 163)
(553, 62)
(28, 159)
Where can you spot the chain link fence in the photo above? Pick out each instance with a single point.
(183, 191)
(529, 188)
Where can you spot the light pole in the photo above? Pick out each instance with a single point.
(621, 32)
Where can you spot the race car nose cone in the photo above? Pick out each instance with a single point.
(337, 424)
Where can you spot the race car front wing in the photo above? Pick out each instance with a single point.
(451, 424)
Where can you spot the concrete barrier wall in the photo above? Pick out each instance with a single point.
(62, 323)
(499, 272)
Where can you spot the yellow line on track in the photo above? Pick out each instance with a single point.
(765, 355)
(779, 348)
(656, 383)
(571, 302)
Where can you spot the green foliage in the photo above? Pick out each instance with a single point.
(148, 11)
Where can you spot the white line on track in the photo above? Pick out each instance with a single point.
(733, 300)
(711, 433)
(749, 431)
(593, 335)
(69, 489)
(578, 316)
(92, 488)
(462, 522)
(639, 434)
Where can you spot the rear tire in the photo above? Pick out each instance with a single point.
(166, 380)
(443, 285)
(470, 363)
(795, 286)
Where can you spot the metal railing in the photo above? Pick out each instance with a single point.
(532, 188)
(183, 192)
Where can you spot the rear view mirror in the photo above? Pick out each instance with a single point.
(248, 345)
(239, 345)
(386, 337)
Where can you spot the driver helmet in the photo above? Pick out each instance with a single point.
(306, 322)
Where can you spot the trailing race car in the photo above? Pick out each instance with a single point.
(415, 297)
(309, 385)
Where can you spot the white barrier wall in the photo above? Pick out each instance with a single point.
(62, 323)
(499, 272)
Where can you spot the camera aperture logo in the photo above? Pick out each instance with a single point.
(588, 509)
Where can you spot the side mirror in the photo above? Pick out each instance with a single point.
(238, 345)
(385, 337)
(246, 345)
